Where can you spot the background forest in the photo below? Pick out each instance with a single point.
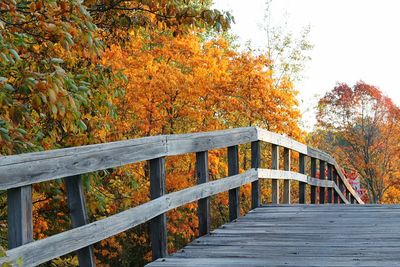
(83, 72)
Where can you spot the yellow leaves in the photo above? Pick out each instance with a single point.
(52, 96)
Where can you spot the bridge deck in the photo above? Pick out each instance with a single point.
(300, 235)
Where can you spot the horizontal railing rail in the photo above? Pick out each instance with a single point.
(19, 172)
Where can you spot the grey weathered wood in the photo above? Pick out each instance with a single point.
(187, 143)
(233, 169)
(19, 212)
(275, 182)
(29, 168)
(286, 183)
(322, 177)
(25, 169)
(78, 213)
(39, 251)
(44, 166)
(203, 204)
(330, 178)
(302, 185)
(313, 189)
(336, 198)
(255, 163)
(299, 236)
(158, 225)
(341, 189)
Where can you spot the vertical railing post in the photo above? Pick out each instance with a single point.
(313, 188)
(275, 182)
(203, 207)
(302, 185)
(341, 188)
(19, 212)
(336, 179)
(321, 177)
(233, 169)
(78, 213)
(286, 183)
(255, 163)
(330, 178)
(158, 225)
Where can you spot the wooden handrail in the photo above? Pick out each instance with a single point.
(21, 171)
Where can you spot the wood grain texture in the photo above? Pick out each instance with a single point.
(299, 236)
(255, 164)
(313, 188)
(330, 178)
(78, 213)
(203, 206)
(286, 183)
(302, 185)
(30, 168)
(158, 225)
(57, 245)
(322, 169)
(234, 193)
(19, 216)
(275, 166)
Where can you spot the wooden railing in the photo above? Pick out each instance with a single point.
(19, 172)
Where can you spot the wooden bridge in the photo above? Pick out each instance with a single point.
(276, 235)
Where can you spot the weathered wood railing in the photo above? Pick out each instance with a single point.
(19, 172)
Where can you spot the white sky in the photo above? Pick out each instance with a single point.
(353, 40)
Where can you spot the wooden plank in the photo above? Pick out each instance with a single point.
(302, 185)
(275, 166)
(299, 236)
(233, 169)
(255, 164)
(281, 140)
(313, 189)
(188, 143)
(78, 213)
(203, 207)
(286, 183)
(19, 216)
(38, 252)
(341, 191)
(38, 167)
(342, 197)
(25, 169)
(29, 168)
(330, 178)
(336, 198)
(158, 225)
(322, 177)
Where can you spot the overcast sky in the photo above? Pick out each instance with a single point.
(353, 40)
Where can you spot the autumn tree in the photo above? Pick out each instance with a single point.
(361, 126)
(74, 73)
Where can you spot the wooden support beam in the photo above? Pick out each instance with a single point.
(19, 212)
(322, 177)
(341, 187)
(330, 178)
(286, 183)
(78, 213)
(158, 225)
(313, 175)
(203, 207)
(233, 168)
(255, 163)
(275, 182)
(302, 185)
(336, 198)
